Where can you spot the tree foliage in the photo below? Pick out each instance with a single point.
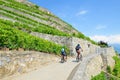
(103, 44)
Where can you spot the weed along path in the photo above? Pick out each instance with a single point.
(54, 71)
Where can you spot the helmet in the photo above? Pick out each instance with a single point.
(78, 45)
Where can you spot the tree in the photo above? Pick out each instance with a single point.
(103, 44)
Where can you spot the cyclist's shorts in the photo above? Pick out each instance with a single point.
(63, 53)
(78, 51)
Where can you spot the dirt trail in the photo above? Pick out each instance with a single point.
(54, 71)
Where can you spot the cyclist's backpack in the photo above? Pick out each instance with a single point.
(77, 47)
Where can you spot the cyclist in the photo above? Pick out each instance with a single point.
(78, 50)
(63, 55)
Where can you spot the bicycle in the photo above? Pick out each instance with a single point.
(79, 58)
(63, 59)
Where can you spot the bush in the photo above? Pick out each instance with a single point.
(116, 70)
(100, 76)
(103, 44)
(108, 69)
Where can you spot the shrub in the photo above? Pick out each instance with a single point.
(116, 70)
(108, 69)
(100, 76)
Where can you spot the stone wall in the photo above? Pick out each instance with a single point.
(16, 62)
(93, 65)
(70, 42)
(56, 39)
(110, 52)
(88, 48)
(100, 62)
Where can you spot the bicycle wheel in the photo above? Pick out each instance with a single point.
(77, 59)
(81, 57)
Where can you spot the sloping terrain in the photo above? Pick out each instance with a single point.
(19, 18)
(32, 15)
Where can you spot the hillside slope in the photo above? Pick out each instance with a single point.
(30, 27)
(19, 18)
(32, 15)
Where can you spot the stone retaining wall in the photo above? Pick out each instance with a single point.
(70, 42)
(12, 62)
(95, 64)
(93, 67)
(100, 62)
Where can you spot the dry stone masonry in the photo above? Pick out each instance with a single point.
(70, 42)
(16, 62)
(93, 64)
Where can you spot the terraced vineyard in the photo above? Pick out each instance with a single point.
(30, 14)
(20, 17)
